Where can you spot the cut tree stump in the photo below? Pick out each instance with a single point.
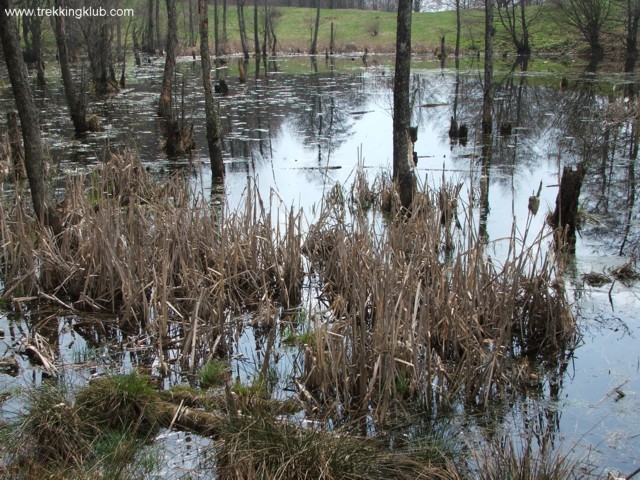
(565, 216)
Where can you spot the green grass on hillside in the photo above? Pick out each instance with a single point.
(374, 30)
(360, 29)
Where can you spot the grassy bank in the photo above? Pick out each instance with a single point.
(374, 30)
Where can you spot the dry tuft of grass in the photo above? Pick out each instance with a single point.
(504, 459)
(154, 253)
(418, 303)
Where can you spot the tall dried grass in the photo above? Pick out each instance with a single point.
(152, 252)
(418, 305)
(415, 306)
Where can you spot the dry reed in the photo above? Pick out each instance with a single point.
(152, 253)
(416, 308)
(418, 305)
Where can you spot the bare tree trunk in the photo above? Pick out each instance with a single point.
(487, 103)
(192, 33)
(158, 32)
(272, 32)
(265, 39)
(633, 20)
(164, 107)
(118, 40)
(216, 35)
(314, 43)
(225, 39)
(524, 49)
(242, 29)
(149, 43)
(213, 124)
(136, 48)
(75, 103)
(457, 32)
(256, 38)
(124, 56)
(402, 154)
(31, 135)
(332, 40)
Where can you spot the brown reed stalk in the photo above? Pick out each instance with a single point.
(421, 300)
(153, 253)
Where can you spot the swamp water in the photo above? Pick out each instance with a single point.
(304, 126)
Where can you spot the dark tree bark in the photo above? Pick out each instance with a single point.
(164, 108)
(565, 215)
(225, 39)
(272, 34)
(136, 48)
(32, 33)
(216, 33)
(242, 29)
(487, 101)
(192, 32)
(332, 40)
(213, 124)
(314, 43)
(402, 153)
(457, 33)
(256, 37)
(158, 32)
(123, 59)
(265, 33)
(632, 23)
(32, 36)
(31, 135)
(75, 103)
(150, 37)
(98, 34)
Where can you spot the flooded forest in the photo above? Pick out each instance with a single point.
(276, 312)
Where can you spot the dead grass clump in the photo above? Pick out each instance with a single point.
(504, 459)
(626, 272)
(595, 279)
(263, 447)
(420, 310)
(153, 252)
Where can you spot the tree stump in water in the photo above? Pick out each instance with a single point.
(453, 129)
(565, 216)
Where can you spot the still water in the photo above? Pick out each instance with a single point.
(300, 125)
